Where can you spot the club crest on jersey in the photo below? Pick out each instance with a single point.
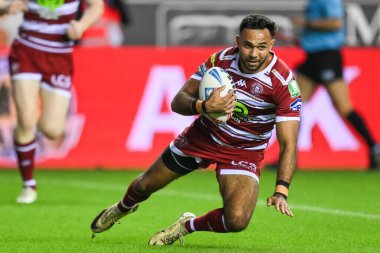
(293, 88)
(296, 105)
(257, 89)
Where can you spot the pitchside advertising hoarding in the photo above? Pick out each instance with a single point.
(120, 113)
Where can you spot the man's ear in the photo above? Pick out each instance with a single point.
(237, 40)
(272, 42)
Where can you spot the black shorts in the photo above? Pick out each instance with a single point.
(323, 67)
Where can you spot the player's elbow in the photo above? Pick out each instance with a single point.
(175, 105)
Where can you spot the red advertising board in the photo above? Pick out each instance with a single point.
(120, 114)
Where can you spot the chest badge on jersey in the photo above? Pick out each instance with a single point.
(257, 89)
(48, 10)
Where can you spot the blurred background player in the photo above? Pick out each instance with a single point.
(322, 39)
(41, 69)
(267, 95)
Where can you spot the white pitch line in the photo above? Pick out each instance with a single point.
(212, 197)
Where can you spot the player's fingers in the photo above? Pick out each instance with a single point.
(289, 212)
(277, 206)
(219, 89)
(269, 201)
(282, 208)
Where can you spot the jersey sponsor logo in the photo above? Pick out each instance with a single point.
(257, 89)
(294, 89)
(296, 105)
(51, 4)
(61, 81)
(48, 14)
(49, 8)
(240, 113)
(241, 108)
(245, 165)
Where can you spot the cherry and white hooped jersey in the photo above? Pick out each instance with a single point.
(264, 98)
(45, 25)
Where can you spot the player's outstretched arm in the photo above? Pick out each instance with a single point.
(287, 133)
(93, 12)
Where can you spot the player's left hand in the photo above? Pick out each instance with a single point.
(75, 30)
(280, 203)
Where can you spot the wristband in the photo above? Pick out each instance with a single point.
(282, 187)
(204, 107)
(194, 106)
(279, 193)
(284, 183)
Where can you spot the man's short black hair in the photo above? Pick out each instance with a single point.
(257, 21)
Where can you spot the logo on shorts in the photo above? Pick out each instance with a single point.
(257, 89)
(61, 81)
(181, 141)
(327, 75)
(245, 165)
(15, 67)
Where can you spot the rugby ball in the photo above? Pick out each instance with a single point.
(214, 78)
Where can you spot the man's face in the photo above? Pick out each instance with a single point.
(254, 50)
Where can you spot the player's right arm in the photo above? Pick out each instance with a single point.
(12, 7)
(186, 102)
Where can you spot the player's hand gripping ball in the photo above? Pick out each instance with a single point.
(214, 78)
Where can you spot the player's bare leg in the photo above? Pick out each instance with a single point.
(239, 193)
(55, 105)
(154, 179)
(25, 96)
(339, 93)
(307, 86)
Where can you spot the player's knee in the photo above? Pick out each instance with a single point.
(143, 185)
(51, 131)
(237, 221)
(26, 125)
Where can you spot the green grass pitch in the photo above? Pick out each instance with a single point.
(334, 212)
